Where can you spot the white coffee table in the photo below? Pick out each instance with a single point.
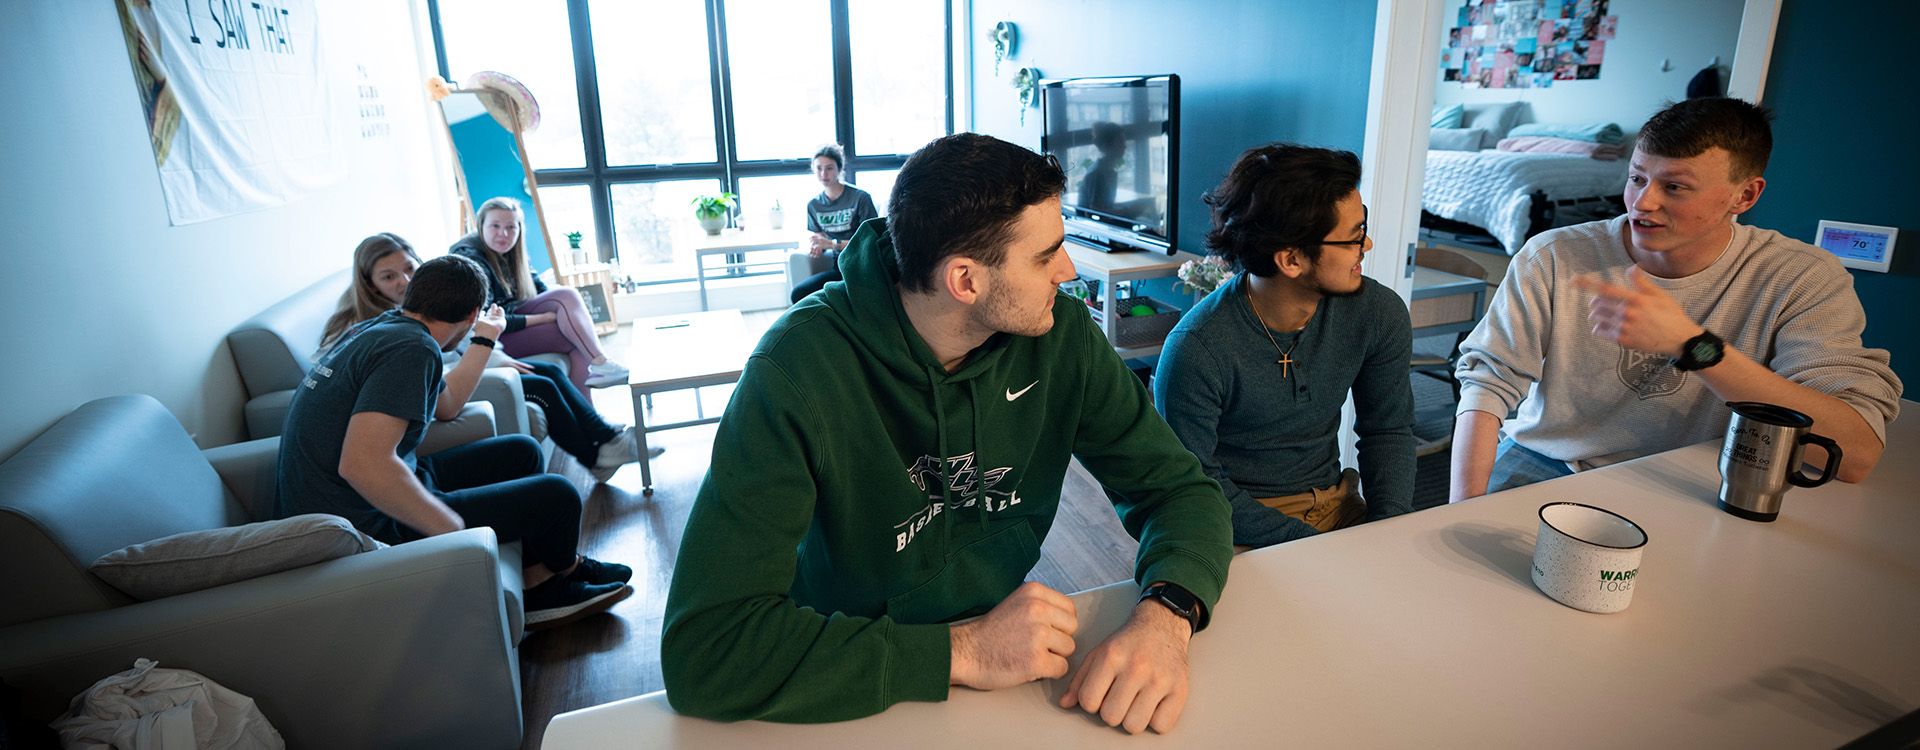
(676, 352)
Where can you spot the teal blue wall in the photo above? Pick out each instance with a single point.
(493, 170)
(1847, 147)
(1251, 72)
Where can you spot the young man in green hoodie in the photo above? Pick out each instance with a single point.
(831, 546)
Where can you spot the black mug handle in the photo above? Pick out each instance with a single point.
(1799, 477)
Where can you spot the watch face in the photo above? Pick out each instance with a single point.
(1182, 602)
(1705, 351)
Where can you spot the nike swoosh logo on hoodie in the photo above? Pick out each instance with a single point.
(1011, 394)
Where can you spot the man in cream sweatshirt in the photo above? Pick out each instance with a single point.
(1622, 338)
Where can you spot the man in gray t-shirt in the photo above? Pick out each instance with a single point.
(832, 216)
(348, 447)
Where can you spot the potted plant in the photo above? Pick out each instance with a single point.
(711, 210)
(1026, 81)
(573, 240)
(776, 218)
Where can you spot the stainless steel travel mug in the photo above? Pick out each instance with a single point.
(1761, 458)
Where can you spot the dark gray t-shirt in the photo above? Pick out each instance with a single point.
(839, 218)
(390, 365)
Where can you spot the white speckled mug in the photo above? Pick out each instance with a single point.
(1587, 558)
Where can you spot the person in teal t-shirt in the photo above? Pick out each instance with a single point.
(892, 460)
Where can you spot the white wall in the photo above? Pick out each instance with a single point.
(1631, 86)
(102, 296)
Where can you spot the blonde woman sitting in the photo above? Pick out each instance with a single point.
(383, 265)
(539, 320)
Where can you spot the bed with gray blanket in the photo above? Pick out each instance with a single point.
(1487, 175)
(1513, 196)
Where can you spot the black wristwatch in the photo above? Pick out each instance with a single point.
(1180, 600)
(1700, 352)
(481, 341)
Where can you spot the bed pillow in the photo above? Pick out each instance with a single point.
(1495, 118)
(1456, 139)
(1607, 133)
(1448, 116)
(1534, 144)
(196, 560)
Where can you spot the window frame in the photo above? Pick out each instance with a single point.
(600, 177)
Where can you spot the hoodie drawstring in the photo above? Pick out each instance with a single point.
(940, 429)
(978, 494)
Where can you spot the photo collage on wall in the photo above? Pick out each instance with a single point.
(1522, 44)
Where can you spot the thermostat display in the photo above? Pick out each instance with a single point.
(1862, 246)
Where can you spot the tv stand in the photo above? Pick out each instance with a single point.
(1108, 269)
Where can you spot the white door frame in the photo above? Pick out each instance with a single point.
(1752, 53)
(1400, 88)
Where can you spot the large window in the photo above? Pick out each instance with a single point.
(645, 105)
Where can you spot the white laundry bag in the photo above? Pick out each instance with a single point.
(146, 708)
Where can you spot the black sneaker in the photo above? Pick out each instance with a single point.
(561, 600)
(594, 571)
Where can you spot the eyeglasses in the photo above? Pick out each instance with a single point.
(1363, 232)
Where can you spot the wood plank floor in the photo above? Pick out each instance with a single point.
(607, 658)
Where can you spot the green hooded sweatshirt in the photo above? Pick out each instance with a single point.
(829, 544)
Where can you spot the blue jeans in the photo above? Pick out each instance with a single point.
(1515, 465)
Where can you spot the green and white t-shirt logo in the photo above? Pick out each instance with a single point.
(836, 221)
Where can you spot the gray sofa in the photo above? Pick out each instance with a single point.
(414, 645)
(273, 349)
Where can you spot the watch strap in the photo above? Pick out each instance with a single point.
(1177, 598)
(482, 341)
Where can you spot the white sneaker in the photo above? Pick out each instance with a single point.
(606, 374)
(623, 449)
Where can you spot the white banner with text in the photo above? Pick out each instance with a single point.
(239, 102)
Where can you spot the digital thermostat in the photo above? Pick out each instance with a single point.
(1863, 246)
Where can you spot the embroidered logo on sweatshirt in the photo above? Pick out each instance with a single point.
(1650, 375)
(962, 477)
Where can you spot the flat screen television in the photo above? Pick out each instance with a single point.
(1119, 141)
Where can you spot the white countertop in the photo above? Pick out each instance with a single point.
(1425, 631)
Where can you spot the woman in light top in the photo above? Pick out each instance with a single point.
(383, 265)
(832, 216)
(539, 320)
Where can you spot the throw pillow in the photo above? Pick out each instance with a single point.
(1448, 116)
(196, 560)
(1456, 139)
(1495, 118)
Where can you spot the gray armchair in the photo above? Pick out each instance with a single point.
(414, 645)
(801, 266)
(273, 352)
